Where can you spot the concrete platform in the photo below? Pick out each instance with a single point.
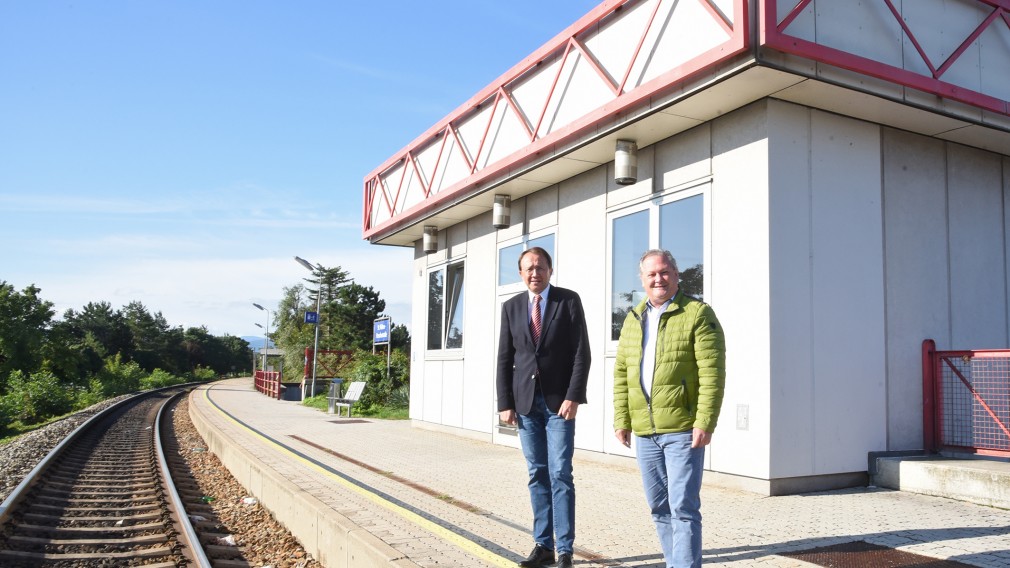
(363, 492)
(985, 482)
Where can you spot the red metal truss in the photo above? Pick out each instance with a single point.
(775, 34)
(558, 49)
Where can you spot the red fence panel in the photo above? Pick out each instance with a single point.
(269, 383)
(966, 400)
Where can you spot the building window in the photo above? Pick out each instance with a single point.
(445, 307)
(676, 224)
(508, 257)
(629, 239)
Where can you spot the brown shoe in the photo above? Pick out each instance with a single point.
(539, 557)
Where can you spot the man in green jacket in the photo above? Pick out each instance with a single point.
(668, 386)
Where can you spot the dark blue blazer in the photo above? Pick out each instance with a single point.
(562, 356)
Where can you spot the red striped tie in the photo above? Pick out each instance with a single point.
(535, 323)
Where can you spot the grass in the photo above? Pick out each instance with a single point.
(8, 432)
(321, 403)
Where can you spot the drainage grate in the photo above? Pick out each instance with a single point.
(861, 554)
(349, 421)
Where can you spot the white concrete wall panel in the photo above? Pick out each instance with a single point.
(940, 27)
(440, 255)
(508, 134)
(427, 161)
(530, 93)
(618, 194)
(542, 209)
(405, 187)
(456, 239)
(1006, 228)
(452, 167)
(994, 68)
(681, 32)
(563, 90)
(580, 241)
(579, 91)
(431, 405)
(848, 293)
(803, 26)
(867, 29)
(684, 158)
(379, 208)
(977, 261)
(615, 56)
(737, 273)
(480, 283)
(418, 305)
(790, 320)
(471, 129)
(915, 254)
(452, 393)
(517, 223)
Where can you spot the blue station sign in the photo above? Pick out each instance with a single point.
(380, 331)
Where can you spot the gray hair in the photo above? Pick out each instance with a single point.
(658, 252)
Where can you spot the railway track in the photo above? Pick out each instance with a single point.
(106, 497)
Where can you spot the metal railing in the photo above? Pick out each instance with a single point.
(966, 400)
(269, 383)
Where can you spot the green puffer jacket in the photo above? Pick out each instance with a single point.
(690, 374)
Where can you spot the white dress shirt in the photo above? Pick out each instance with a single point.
(650, 331)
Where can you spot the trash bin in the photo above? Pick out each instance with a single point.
(334, 394)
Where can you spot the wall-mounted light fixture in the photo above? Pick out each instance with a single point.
(429, 242)
(626, 162)
(501, 214)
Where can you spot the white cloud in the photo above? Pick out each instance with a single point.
(219, 292)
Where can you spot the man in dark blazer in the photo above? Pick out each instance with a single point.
(543, 366)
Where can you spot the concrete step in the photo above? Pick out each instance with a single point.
(981, 481)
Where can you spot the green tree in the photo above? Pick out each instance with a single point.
(73, 355)
(399, 337)
(293, 335)
(237, 358)
(692, 281)
(108, 328)
(350, 317)
(150, 335)
(24, 323)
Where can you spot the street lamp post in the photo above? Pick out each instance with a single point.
(266, 337)
(315, 347)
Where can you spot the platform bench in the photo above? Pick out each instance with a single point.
(347, 401)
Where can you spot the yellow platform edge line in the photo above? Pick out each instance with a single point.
(465, 544)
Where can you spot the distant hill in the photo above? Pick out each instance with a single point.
(256, 342)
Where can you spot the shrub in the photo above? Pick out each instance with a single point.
(35, 398)
(117, 377)
(93, 395)
(203, 374)
(159, 378)
(371, 368)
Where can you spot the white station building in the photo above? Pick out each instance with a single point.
(832, 177)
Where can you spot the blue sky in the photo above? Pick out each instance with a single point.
(182, 153)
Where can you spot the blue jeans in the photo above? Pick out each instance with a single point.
(548, 442)
(671, 473)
